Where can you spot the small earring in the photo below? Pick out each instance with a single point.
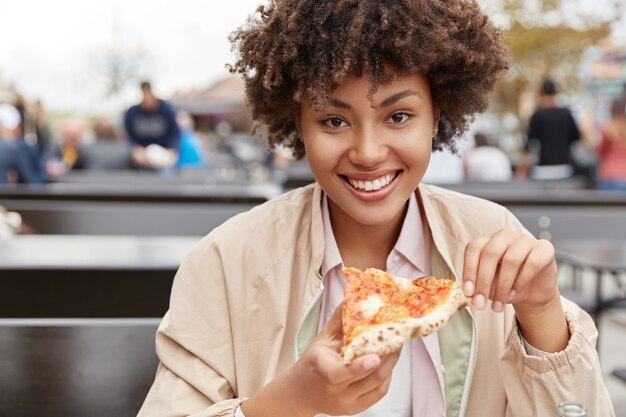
(435, 132)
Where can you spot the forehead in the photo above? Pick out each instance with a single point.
(362, 88)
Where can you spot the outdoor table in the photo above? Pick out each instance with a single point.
(89, 276)
(76, 367)
(607, 259)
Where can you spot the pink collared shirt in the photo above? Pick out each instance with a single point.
(417, 381)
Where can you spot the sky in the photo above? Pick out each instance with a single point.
(57, 51)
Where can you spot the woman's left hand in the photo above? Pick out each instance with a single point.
(509, 267)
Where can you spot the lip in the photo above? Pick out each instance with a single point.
(370, 196)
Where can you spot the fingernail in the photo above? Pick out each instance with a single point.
(497, 306)
(479, 301)
(371, 363)
(468, 288)
(512, 295)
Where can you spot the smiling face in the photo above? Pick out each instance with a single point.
(369, 156)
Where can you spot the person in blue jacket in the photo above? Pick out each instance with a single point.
(191, 153)
(152, 131)
(18, 161)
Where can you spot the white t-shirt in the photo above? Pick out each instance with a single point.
(487, 163)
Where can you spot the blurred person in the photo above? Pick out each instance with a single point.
(446, 166)
(64, 152)
(485, 162)
(108, 152)
(17, 161)
(554, 129)
(20, 104)
(191, 152)
(611, 150)
(9, 122)
(71, 134)
(153, 132)
(42, 129)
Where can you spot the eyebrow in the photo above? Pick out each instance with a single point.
(398, 96)
(385, 103)
(339, 104)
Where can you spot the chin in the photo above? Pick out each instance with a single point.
(374, 218)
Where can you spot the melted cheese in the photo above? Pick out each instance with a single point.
(370, 306)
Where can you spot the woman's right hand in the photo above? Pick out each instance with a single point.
(321, 383)
(327, 385)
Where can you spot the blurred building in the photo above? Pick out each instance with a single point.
(224, 101)
(603, 72)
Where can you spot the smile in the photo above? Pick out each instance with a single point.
(371, 185)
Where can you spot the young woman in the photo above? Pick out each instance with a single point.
(367, 89)
(611, 150)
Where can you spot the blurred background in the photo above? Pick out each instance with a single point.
(124, 139)
(67, 65)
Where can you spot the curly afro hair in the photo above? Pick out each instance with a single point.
(290, 48)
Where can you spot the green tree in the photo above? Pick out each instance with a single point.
(547, 38)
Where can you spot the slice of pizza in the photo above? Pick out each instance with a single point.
(381, 311)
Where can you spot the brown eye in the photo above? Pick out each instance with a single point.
(334, 122)
(399, 117)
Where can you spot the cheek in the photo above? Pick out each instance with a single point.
(319, 153)
(416, 148)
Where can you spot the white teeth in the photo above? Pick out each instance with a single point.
(374, 185)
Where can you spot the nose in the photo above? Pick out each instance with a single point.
(369, 148)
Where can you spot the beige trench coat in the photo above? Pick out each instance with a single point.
(247, 288)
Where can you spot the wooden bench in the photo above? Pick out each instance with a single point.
(124, 218)
(76, 368)
(88, 276)
(131, 209)
(558, 210)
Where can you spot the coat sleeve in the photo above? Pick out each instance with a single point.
(194, 343)
(574, 374)
(541, 383)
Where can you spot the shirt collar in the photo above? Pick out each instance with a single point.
(411, 243)
(332, 258)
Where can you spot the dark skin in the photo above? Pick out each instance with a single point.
(321, 383)
(361, 138)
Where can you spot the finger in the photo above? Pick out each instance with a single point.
(494, 284)
(471, 259)
(510, 265)
(334, 371)
(539, 258)
(374, 395)
(492, 289)
(374, 378)
(490, 257)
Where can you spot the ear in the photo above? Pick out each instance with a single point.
(436, 117)
(297, 121)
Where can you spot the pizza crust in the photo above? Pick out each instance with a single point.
(383, 339)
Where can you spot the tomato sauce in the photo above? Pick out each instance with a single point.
(426, 294)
